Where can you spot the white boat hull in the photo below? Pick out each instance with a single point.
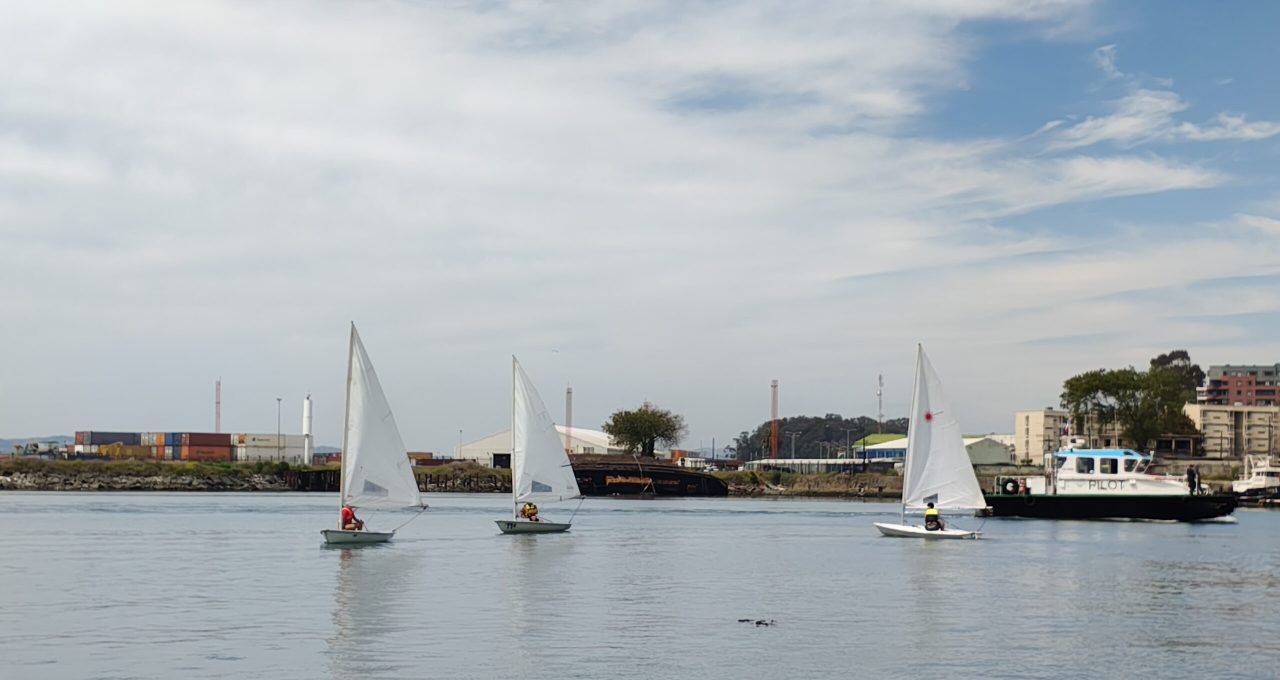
(518, 526)
(912, 531)
(344, 537)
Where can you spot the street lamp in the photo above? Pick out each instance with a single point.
(279, 453)
(793, 436)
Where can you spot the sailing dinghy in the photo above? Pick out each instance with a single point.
(376, 471)
(540, 467)
(937, 469)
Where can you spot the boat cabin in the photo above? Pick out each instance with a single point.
(1097, 472)
(1100, 462)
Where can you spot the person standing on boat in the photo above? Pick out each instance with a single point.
(932, 520)
(1193, 479)
(349, 520)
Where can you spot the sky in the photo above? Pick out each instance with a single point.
(673, 202)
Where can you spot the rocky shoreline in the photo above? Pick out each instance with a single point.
(107, 481)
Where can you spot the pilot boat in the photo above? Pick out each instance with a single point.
(1105, 484)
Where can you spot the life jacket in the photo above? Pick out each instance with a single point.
(932, 521)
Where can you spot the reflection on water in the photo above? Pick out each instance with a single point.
(238, 585)
(371, 602)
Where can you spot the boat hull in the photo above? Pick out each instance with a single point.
(513, 526)
(344, 537)
(912, 531)
(1183, 508)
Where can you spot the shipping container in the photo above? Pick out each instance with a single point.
(81, 436)
(204, 439)
(173, 439)
(126, 438)
(266, 439)
(127, 451)
(86, 449)
(207, 453)
(152, 439)
(173, 452)
(254, 453)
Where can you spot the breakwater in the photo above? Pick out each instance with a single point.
(53, 475)
(34, 474)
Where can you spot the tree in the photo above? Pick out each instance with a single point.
(642, 430)
(1145, 404)
(1179, 361)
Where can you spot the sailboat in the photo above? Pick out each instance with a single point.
(376, 471)
(540, 468)
(937, 469)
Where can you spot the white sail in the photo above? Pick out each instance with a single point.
(376, 471)
(937, 468)
(540, 468)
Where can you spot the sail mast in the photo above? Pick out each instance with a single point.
(346, 421)
(515, 489)
(911, 430)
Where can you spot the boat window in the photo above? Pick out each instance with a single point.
(1108, 466)
(1084, 465)
(1130, 464)
(1061, 460)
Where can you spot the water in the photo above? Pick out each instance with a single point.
(116, 585)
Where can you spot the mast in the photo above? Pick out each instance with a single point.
(346, 422)
(911, 430)
(515, 491)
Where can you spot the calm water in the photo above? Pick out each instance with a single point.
(111, 585)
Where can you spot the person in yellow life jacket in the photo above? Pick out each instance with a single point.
(932, 520)
(530, 512)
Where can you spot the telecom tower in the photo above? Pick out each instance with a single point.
(880, 403)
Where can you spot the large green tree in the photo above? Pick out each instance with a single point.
(1179, 360)
(1145, 404)
(642, 430)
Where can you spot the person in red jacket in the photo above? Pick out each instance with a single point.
(349, 520)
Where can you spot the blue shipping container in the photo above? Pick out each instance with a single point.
(173, 439)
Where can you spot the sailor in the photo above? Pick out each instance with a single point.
(349, 520)
(530, 512)
(1193, 480)
(932, 520)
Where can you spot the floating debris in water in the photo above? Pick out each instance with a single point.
(759, 622)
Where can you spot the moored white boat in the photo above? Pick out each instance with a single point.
(937, 469)
(1260, 478)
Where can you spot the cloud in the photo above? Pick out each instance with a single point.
(1146, 116)
(1105, 58)
(685, 200)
